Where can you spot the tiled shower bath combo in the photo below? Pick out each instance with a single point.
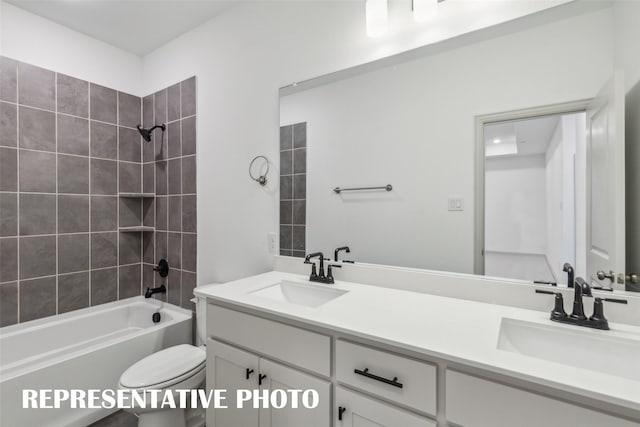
(69, 149)
(293, 189)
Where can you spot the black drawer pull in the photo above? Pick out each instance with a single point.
(248, 373)
(341, 410)
(394, 382)
(261, 378)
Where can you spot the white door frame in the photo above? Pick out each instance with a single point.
(479, 190)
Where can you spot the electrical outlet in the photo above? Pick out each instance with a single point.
(272, 242)
(456, 204)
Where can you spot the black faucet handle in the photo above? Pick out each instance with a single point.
(616, 300)
(544, 282)
(558, 308)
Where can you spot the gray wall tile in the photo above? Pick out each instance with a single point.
(286, 162)
(104, 177)
(37, 214)
(73, 135)
(104, 213)
(129, 278)
(160, 106)
(73, 253)
(286, 235)
(148, 248)
(37, 298)
(286, 137)
(173, 102)
(104, 285)
(37, 129)
(8, 124)
(188, 97)
(161, 177)
(8, 304)
(37, 171)
(148, 150)
(129, 110)
(36, 86)
(147, 111)
(73, 174)
(161, 248)
(130, 177)
(299, 186)
(175, 176)
(73, 96)
(8, 259)
(148, 213)
(8, 79)
(130, 145)
(160, 145)
(104, 104)
(286, 187)
(189, 214)
(130, 212)
(188, 285)
(148, 178)
(9, 214)
(299, 212)
(104, 250)
(130, 248)
(298, 254)
(37, 256)
(286, 212)
(175, 213)
(189, 175)
(73, 292)
(162, 212)
(189, 136)
(174, 285)
(299, 237)
(174, 247)
(174, 139)
(8, 169)
(104, 140)
(300, 160)
(299, 135)
(189, 249)
(73, 214)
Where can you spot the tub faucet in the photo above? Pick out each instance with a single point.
(162, 289)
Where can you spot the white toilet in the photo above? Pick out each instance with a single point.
(179, 367)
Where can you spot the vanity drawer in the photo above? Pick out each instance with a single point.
(294, 346)
(373, 371)
(475, 402)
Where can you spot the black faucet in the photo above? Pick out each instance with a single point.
(318, 275)
(338, 250)
(567, 268)
(160, 289)
(577, 317)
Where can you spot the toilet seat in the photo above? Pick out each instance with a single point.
(165, 368)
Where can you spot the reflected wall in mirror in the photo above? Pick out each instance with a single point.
(418, 121)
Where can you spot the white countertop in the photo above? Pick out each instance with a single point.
(460, 331)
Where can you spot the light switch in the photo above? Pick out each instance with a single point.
(456, 204)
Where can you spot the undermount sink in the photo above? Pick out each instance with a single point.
(578, 348)
(299, 294)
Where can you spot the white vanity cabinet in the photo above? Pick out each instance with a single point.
(356, 410)
(232, 369)
(475, 402)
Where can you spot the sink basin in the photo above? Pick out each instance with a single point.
(580, 348)
(299, 294)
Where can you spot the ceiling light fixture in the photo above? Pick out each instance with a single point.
(424, 10)
(377, 17)
(497, 141)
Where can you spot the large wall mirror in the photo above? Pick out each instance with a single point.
(499, 153)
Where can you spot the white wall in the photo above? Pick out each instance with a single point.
(30, 38)
(554, 180)
(426, 149)
(515, 199)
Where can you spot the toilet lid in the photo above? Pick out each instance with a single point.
(163, 366)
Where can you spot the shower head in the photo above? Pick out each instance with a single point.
(146, 133)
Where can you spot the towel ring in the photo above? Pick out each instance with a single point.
(262, 179)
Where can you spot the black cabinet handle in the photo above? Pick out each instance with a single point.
(249, 372)
(365, 373)
(341, 410)
(260, 378)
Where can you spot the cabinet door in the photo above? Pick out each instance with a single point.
(356, 410)
(227, 370)
(279, 377)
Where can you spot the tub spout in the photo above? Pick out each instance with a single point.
(160, 289)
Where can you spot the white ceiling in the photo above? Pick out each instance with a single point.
(522, 138)
(137, 26)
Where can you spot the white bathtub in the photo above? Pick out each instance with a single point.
(84, 349)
